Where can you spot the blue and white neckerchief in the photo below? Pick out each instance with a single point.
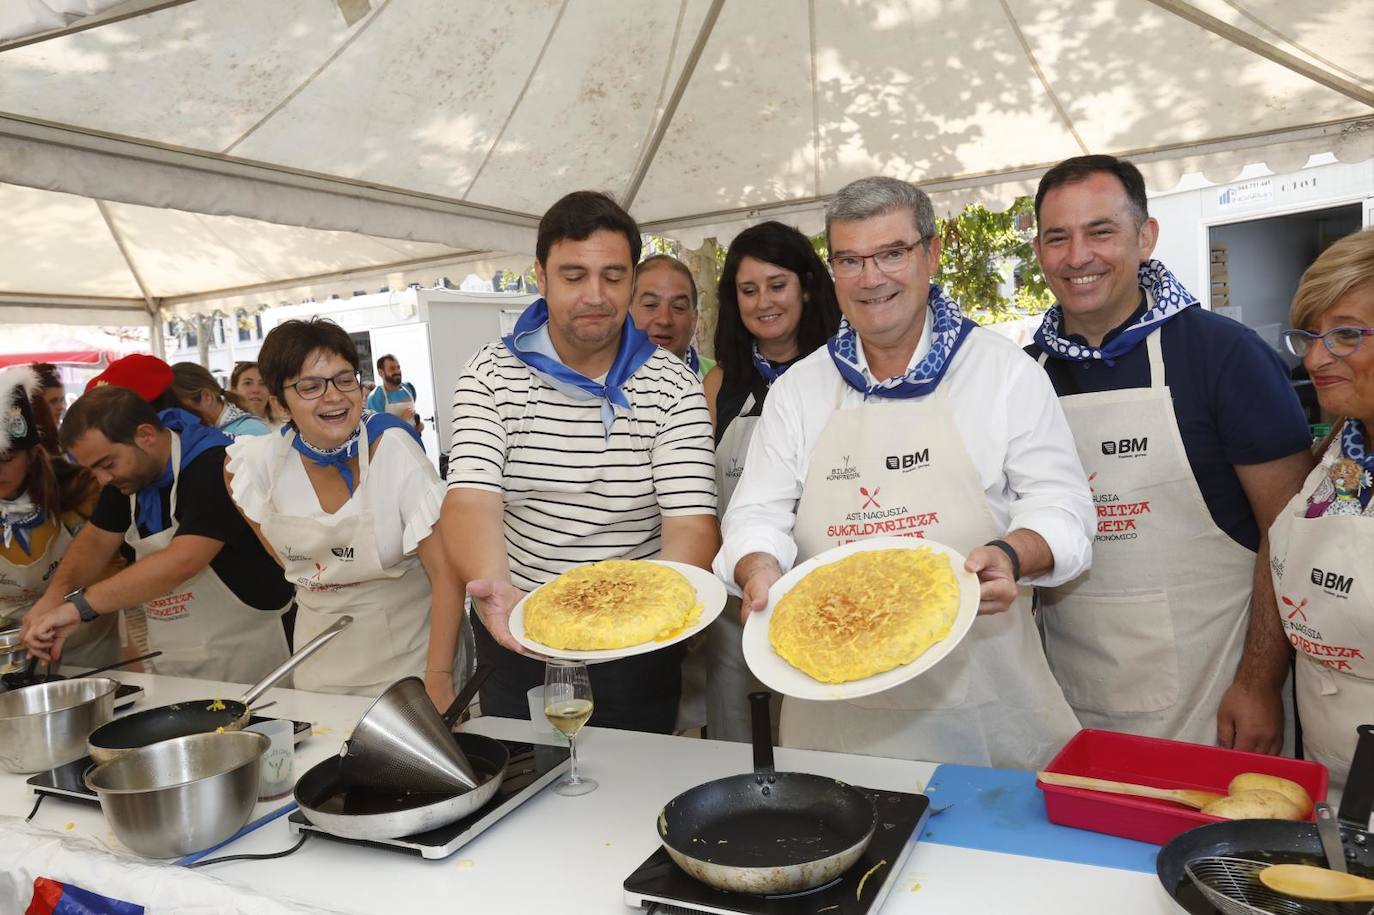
(531, 344)
(196, 437)
(17, 518)
(948, 331)
(230, 415)
(694, 360)
(766, 369)
(1169, 298)
(1353, 447)
(338, 458)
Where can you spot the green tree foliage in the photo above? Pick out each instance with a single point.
(981, 250)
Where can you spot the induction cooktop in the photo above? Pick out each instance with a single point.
(660, 886)
(531, 767)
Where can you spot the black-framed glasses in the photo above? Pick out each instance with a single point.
(312, 387)
(1339, 341)
(888, 260)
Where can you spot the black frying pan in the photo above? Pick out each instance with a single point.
(767, 832)
(27, 677)
(1274, 841)
(194, 716)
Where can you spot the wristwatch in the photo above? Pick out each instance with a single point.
(78, 599)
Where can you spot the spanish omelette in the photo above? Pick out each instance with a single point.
(866, 613)
(612, 604)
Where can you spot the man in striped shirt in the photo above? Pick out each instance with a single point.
(576, 440)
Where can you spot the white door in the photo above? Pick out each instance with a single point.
(409, 343)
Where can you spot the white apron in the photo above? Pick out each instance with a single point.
(721, 654)
(1147, 640)
(334, 565)
(90, 645)
(202, 629)
(992, 701)
(1323, 581)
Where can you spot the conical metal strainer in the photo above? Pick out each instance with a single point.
(401, 743)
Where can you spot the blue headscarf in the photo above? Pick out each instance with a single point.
(948, 331)
(338, 458)
(196, 438)
(530, 343)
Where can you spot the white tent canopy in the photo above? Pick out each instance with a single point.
(209, 149)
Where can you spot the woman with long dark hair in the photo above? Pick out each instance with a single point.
(44, 500)
(777, 305)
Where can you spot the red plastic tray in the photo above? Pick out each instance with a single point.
(1159, 764)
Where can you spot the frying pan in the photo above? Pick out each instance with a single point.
(1270, 841)
(353, 810)
(767, 832)
(194, 716)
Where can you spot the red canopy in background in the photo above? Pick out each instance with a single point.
(94, 358)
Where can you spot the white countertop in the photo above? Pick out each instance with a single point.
(571, 854)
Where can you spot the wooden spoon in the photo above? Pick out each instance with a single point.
(1307, 882)
(1185, 796)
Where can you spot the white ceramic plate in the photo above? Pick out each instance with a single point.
(782, 677)
(710, 592)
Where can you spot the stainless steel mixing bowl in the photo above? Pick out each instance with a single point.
(46, 725)
(178, 796)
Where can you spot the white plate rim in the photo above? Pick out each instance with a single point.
(778, 675)
(710, 593)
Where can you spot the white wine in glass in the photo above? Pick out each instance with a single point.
(568, 704)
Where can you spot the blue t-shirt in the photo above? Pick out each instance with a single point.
(380, 396)
(1232, 399)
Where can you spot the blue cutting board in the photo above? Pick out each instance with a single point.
(1002, 810)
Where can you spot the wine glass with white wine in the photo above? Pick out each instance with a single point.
(568, 705)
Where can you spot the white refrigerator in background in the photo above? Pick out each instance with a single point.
(448, 327)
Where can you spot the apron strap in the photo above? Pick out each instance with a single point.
(176, 472)
(1155, 349)
(1044, 357)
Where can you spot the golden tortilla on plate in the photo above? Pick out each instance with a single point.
(613, 604)
(867, 613)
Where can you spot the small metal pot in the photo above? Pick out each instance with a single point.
(46, 725)
(179, 796)
(13, 654)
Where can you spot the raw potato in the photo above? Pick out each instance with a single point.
(1248, 781)
(1254, 804)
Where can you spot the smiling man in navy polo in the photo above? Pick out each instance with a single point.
(1191, 436)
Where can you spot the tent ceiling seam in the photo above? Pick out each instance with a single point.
(194, 160)
(1255, 45)
(290, 282)
(646, 158)
(1040, 75)
(519, 100)
(1273, 30)
(104, 209)
(343, 46)
(815, 100)
(659, 104)
(1031, 172)
(86, 23)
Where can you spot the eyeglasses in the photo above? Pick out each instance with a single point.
(888, 260)
(1339, 341)
(313, 387)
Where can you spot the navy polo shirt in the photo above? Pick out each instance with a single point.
(1232, 399)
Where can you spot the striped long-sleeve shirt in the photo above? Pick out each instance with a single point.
(573, 495)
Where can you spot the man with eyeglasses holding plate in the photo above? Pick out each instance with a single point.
(1192, 438)
(212, 596)
(914, 421)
